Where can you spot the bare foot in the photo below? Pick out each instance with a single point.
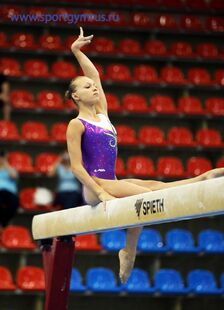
(127, 260)
(214, 173)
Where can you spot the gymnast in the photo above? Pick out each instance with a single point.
(92, 147)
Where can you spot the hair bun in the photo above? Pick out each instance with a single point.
(68, 94)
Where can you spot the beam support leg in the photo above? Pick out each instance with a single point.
(58, 255)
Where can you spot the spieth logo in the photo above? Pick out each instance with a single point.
(149, 206)
(138, 206)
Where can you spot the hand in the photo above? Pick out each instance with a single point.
(104, 196)
(81, 41)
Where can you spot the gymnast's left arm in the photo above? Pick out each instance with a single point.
(89, 69)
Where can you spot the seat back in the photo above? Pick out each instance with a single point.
(149, 239)
(138, 279)
(30, 278)
(179, 239)
(100, 277)
(210, 239)
(201, 280)
(113, 240)
(168, 279)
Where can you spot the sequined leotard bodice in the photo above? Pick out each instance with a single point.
(99, 148)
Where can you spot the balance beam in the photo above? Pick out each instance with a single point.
(188, 201)
(172, 204)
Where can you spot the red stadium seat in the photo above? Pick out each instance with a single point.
(63, 69)
(140, 166)
(119, 73)
(7, 11)
(23, 41)
(219, 77)
(141, 20)
(172, 75)
(180, 136)
(38, 11)
(151, 135)
(115, 19)
(220, 163)
(191, 23)
(120, 168)
(100, 69)
(21, 161)
(58, 132)
(34, 131)
(155, 48)
(134, 103)
(113, 103)
(145, 74)
(44, 161)
(3, 40)
(87, 243)
(126, 135)
(103, 45)
(22, 99)
(162, 104)
(197, 166)
(8, 131)
(50, 100)
(10, 67)
(6, 282)
(129, 47)
(172, 4)
(26, 197)
(17, 237)
(196, 5)
(216, 5)
(166, 22)
(51, 42)
(199, 76)
(62, 11)
(30, 278)
(69, 40)
(209, 138)
(181, 49)
(215, 24)
(190, 105)
(36, 68)
(215, 106)
(207, 50)
(170, 167)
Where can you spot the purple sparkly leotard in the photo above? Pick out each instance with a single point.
(99, 148)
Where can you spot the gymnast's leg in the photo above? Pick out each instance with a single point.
(120, 189)
(157, 185)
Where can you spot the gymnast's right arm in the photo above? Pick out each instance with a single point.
(74, 133)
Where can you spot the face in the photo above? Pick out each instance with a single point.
(86, 91)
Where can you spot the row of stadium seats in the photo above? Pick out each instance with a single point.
(103, 45)
(102, 280)
(142, 166)
(36, 68)
(33, 131)
(150, 241)
(206, 5)
(131, 102)
(135, 20)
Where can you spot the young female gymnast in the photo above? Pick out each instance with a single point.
(92, 146)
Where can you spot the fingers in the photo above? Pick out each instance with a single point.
(81, 32)
(88, 38)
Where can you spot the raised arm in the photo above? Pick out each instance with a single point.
(74, 133)
(89, 69)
